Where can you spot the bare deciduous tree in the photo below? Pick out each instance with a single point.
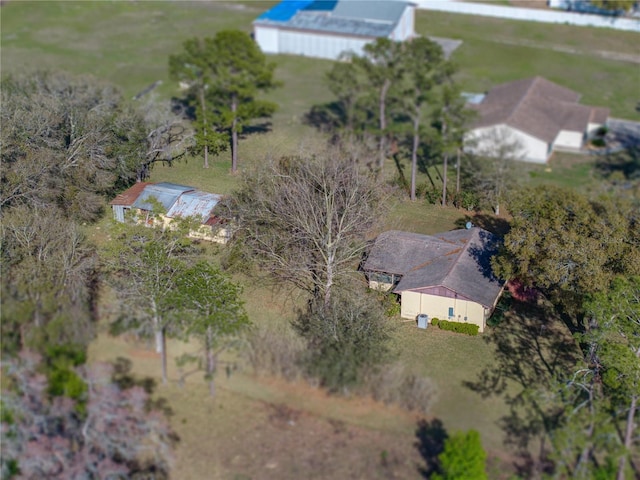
(117, 436)
(305, 219)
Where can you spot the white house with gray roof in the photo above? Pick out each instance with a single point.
(541, 116)
(327, 28)
(446, 276)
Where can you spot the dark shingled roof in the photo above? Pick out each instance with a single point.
(536, 106)
(458, 260)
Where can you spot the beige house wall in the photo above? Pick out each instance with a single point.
(464, 311)
(203, 232)
(380, 286)
(219, 235)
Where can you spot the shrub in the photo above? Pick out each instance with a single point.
(458, 327)
(433, 196)
(344, 338)
(390, 302)
(393, 384)
(434, 321)
(275, 350)
(598, 142)
(467, 200)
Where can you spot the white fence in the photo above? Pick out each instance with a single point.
(531, 14)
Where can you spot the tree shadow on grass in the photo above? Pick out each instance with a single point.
(532, 349)
(491, 223)
(124, 378)
(430, 443)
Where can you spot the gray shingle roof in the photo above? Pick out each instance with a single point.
(458, 260)
(535, 106)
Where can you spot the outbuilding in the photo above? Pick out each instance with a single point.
(159, 204)
(326, 29)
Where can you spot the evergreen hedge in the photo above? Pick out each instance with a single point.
(467, 328)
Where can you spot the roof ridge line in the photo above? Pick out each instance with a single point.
(455, 262)
(521, 101)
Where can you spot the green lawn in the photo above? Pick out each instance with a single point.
(128, 43)
(580, 58)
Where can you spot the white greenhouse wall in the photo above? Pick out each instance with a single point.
(533, 149)
(568, 139)
(266, 38)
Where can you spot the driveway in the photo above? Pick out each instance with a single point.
(625, 132)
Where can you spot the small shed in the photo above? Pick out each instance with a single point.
(177, 201)
(125, 200)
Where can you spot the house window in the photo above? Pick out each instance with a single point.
(450, 312)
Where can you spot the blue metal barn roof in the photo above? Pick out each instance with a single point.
(367, 18)
(283, 11)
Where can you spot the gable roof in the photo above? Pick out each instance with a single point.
(367, 18)
(164, 192)
(194, 204)
(535, 106)
(129, 196)
(458, 260)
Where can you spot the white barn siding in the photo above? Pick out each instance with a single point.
(568, 140)
(318, 45)
(534, 149)
(404, 29)
(266, 38)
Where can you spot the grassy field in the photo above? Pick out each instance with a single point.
(580, 58)
(264, 428)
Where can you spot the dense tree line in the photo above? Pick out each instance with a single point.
(583, 255)
(397, 93)
(69, 144)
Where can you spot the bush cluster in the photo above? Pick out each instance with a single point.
(458, 327)
(275, 350)
(432, 195)
(394, 384)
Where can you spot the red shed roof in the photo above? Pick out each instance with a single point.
(129, 196)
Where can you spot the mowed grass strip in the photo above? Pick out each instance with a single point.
(581, 58)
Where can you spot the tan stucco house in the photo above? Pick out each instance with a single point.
(446, 276)
(540, 115)
(175, 201)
